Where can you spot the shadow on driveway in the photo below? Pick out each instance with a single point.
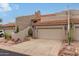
(10, 53)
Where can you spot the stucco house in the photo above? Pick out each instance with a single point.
(50, 26)
(54, 26)
(9, 26)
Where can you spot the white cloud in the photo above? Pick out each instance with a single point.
(5, 7)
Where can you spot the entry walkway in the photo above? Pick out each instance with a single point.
(37, 47)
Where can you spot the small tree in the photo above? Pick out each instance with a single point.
(30, 32)
(17, 29)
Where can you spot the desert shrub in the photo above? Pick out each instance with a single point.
(30, 32)
(70, 33)
(7, 36)
(69, 38)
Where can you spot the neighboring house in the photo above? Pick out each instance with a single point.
(10, 27)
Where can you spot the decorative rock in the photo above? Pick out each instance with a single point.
(68, 51)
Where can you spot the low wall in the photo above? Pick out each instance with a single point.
(21, 35)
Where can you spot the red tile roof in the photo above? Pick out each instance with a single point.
(56, 22)
(10, 24)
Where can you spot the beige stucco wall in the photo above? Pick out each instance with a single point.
(21, 35)
(74, 14)
(23, 21)
(57, 16)
(61, 15)
(51, 18)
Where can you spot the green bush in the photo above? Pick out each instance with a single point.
(30, 32)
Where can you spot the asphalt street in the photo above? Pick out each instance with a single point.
(10, 53)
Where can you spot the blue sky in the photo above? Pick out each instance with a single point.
(9, 11)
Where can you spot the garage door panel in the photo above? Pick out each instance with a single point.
(51, 34)
(77, 33)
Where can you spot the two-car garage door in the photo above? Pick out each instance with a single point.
(58, 34)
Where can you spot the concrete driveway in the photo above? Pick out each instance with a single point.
(37, 47)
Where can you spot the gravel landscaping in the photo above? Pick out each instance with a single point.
(70, 50)
(4, 42)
